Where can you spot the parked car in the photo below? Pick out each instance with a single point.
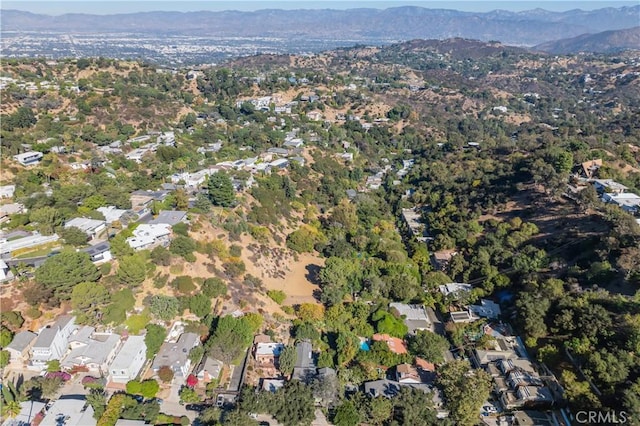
(220, 401)
(196, 407)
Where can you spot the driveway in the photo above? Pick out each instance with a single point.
(170, 404)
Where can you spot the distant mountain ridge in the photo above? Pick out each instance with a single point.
(603, 42)
(527, 28)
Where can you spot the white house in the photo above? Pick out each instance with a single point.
(7, 191)
(627, 201)
(149, 235)
(73, 410)
(99, 253)
(129, 360)
(609, 185)
(28, 158)
(92, 350)
(111, 213)
(455, 289)
(52, 342)
(91, 227)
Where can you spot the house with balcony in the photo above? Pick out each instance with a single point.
(176, 354)
(128, 360)
(52, 342)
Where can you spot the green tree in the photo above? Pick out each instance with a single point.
(415, 407)
(221, 192)
(87, 299)
(161, 256)
(74, 236)
(97, 398)
(47, 218)
(230, 338)
(131, 270)
(287, 360)
(120, 247)
(154, 338)
(428, 345)
(295, 404)
(214, 287)
(5, 357)
(465, 390)
(53, 366)
(200, 305)
(183, 246)
(63, 271)
(149, 388)
(164, 307)
(6, 336)
(347, 415)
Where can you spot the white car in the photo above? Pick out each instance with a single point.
(490, 409)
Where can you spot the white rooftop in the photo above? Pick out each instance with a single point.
(69, 412)
(270, 348)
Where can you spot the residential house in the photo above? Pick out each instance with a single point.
(112, 213)
(170, 217)
(486, 309)
(267, 354)
(141, 200)
(609, 186)
(272, 385)
(305, 366)
(413, 220)
(406, 373)
(91, 227)
(465, 316)
(415, 316)
(147, 236)
(590, 168)
(628, 202)
(6, 210)
(176, 354)
(27, 415)
(19, 347)
(92, 350)
(293, 143)
(210, 369)
(299, 160)
(440, 259)
(129, 360)
(281, 163)
(395, 344)
(282, 152)
(7, 191)
(5, 272)
(72, 410)
(29, 158)
(52, 342)
(31, 241)
(99, 253)
(536, 418)
(455, 289)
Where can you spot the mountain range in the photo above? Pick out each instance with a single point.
(527, 28)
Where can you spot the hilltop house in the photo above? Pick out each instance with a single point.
(147, 236)
(129, 360)
(52, 342)
(176, 354)
(7, 191)
(28, 158)
(170, 217)
(99, 253)
(27, 242)
(91, 227)
(395, 344)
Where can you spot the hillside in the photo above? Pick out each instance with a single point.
(357, 25)
(604, 42)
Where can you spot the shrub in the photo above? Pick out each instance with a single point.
(184, 284)
(234, 267)
(214, 287)
(165, 373)
(235, 250)
(277, 296)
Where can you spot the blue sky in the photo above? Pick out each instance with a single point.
(109, 7)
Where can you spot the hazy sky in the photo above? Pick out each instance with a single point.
(109, 7)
